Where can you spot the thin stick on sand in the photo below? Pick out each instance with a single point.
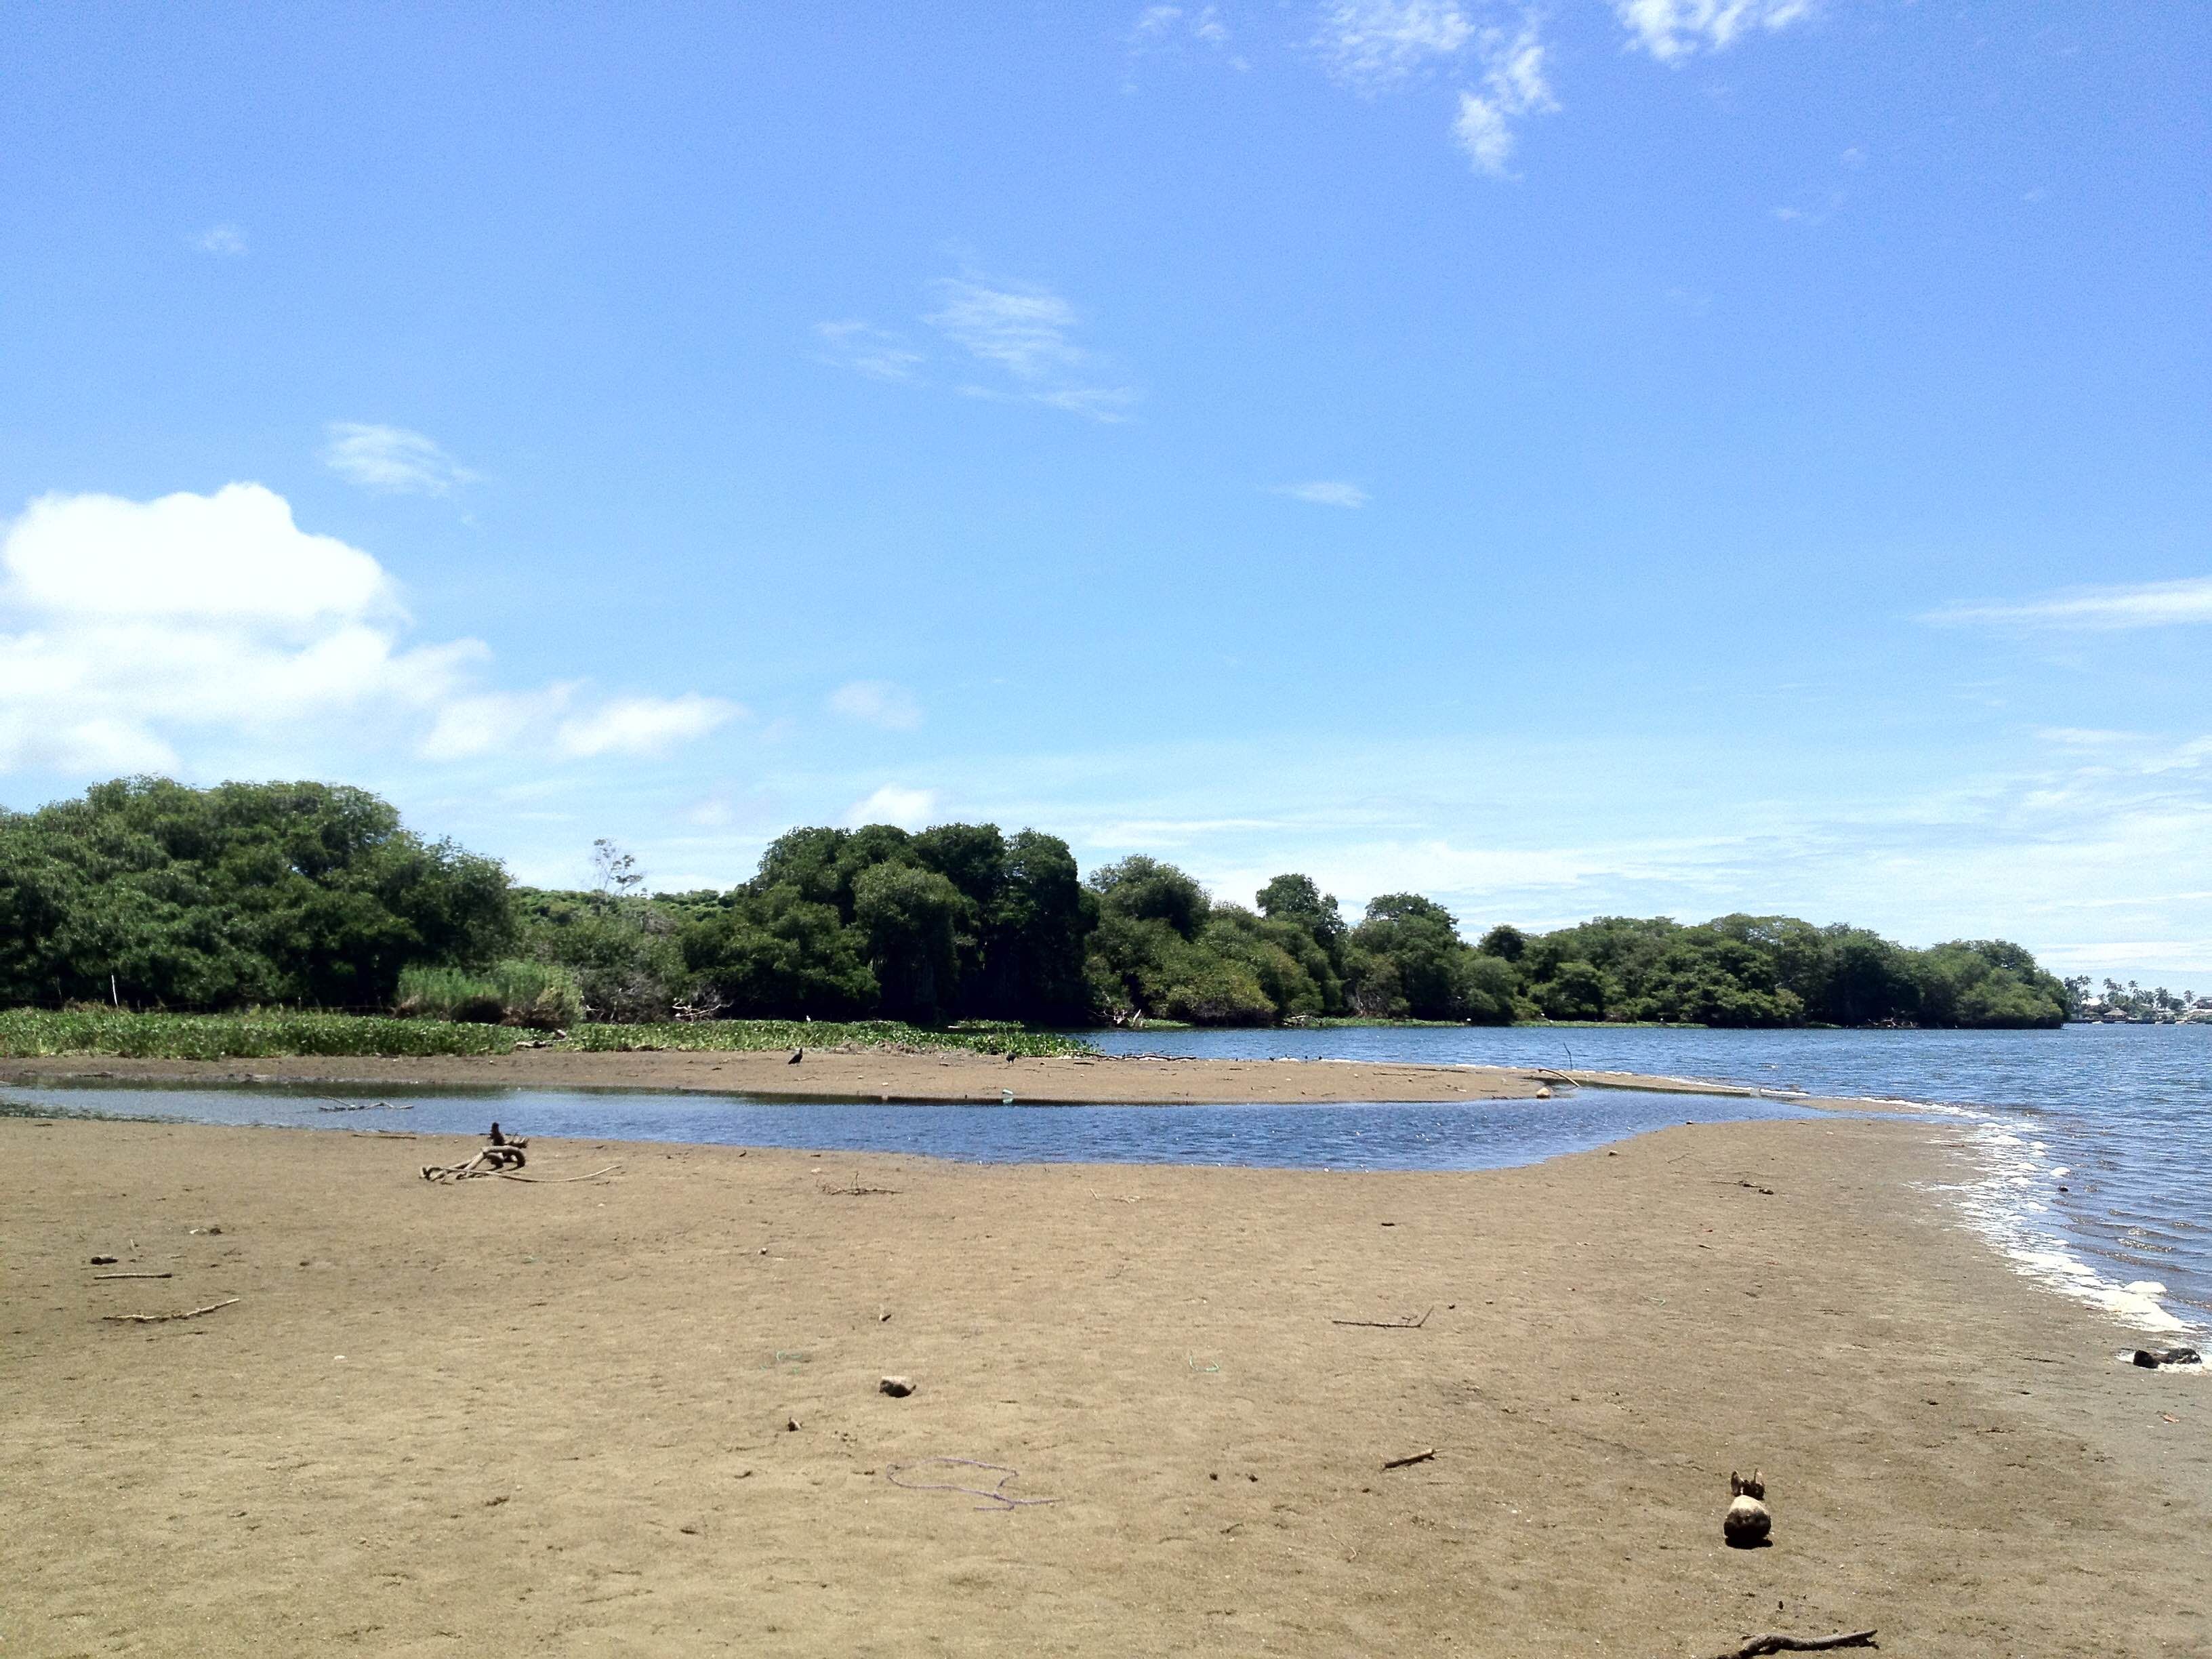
(163, 1319)
(1387, 1324)
(1772, 1642)
(132, 1275)
(555, 1181)
(1406, 1462)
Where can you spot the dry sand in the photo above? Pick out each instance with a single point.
(508, 1418)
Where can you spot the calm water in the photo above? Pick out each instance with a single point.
(2096, 1141)
(2098, 1138)
(1478, 1134)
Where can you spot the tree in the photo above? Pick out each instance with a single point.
(1146, 890)
(912, 919)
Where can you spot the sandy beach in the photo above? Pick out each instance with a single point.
(508, 1417)
(871, 1074)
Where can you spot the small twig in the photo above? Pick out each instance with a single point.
(1389, 1324)
(1408, 1462)
(163, 1319)
(1772, 1642)
(131, 1275)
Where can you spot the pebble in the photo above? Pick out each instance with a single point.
(897, 1387)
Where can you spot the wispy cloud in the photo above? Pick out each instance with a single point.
(392, 460)
(225, 242)
(1325, 492)
(1674, 30)
(1161, 28)
(878, 703)
(1371, 45)
(870, 351)
(644, 726)
(1513, 85)
(2141, 604)
(1024, 332)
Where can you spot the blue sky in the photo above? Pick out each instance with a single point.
(1669, 456)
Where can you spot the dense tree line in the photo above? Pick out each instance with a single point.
(155, 895)
(159, 895)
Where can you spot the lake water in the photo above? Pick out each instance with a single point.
(2096, 1140)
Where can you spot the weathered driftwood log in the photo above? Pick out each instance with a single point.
(492, 1160)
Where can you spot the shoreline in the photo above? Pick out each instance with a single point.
(905, 1078)
(579, 1393)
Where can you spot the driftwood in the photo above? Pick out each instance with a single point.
(131, 1275)
(1389, 1324)
(163, 1319)
(1408, 1462)
(1774, 1642)
(492, 1160)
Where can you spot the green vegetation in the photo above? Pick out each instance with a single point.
(29, 1033)
(147, 894)
(539, 994)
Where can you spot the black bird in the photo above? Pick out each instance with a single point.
(495, 1138)
(796, 1054)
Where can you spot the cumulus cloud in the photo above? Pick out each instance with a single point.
(133, 633)
(2138, 605)
(909, 809)
(392, 460)
(1673, 30)
(878, 703)
(1325, 492)
(225, 242)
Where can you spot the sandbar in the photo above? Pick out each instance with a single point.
(638, 1414)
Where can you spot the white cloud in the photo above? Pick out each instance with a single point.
(1324, 492)
(1372, 45)
(1513, 85)
(134, 634)
(644, 726)
(2141, 604)
(909, 809)
(869, 350)
(1024, 333)
(1673, 30)
(392, 460)
(878, 703)
(225, 242)
(1165, 28)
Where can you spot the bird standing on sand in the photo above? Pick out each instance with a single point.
(796, 1054)
(495, 1137)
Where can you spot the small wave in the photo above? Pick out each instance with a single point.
(2011, 1204)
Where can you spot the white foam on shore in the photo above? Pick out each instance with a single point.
(2009, 1206)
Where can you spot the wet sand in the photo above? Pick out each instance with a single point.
(871, 1074)
(510, 1417)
